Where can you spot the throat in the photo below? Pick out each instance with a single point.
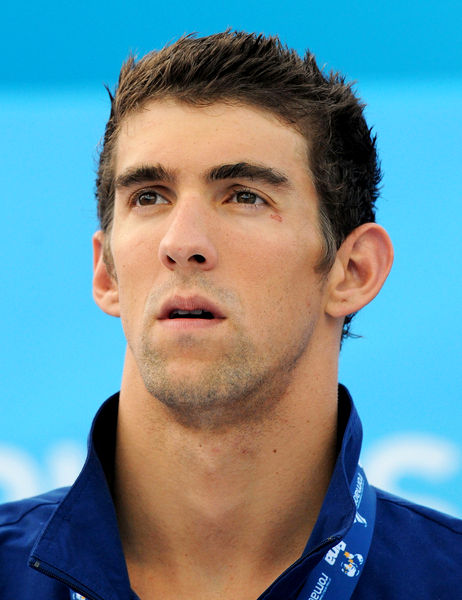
(221, 514)
(211, 503)
(224, 552)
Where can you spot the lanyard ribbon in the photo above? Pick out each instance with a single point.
(336, 575)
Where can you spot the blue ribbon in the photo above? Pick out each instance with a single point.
(337, 574)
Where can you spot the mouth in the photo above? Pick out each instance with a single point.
(190, 314)
(190, 307)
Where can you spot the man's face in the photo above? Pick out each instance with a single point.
(214, 241)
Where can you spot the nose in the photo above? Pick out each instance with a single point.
(187, 243)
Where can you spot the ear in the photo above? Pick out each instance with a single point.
(361, 266)
(105, 289)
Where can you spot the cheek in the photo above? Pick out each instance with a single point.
(134, 254)
(135, 265)
(276, 273)
(282, 256)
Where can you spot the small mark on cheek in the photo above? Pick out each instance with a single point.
(277, 218)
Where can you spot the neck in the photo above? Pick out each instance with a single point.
(242, 500)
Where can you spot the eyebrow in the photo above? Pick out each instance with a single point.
(147, 173)
(248, 171)
(143, 174)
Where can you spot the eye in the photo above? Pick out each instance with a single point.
(247, 197)
(147, 198)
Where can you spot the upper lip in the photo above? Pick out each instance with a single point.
(194, 302)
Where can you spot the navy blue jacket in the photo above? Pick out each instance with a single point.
(68, 539)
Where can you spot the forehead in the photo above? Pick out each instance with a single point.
(179, 135)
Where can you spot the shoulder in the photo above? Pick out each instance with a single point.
(13, 513)
(416, 552)
(395, 512)
(22, 521)
(20, 524)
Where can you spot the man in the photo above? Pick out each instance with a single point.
(236, 192)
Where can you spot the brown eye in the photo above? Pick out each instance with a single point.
(148, 198)
(247, 197)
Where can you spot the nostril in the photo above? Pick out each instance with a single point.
(181, 258)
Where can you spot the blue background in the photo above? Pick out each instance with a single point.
(61, 356)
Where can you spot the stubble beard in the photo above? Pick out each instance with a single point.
(240, 387)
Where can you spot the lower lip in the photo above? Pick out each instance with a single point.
(189, 324)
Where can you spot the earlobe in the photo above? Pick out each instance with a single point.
(361, 267)
(105, 289)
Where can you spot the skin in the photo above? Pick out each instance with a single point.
(227, 429)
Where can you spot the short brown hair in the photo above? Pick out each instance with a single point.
(246, 68)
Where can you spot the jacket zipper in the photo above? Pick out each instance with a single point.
(324, 544)
(50, 572)
(55, 574)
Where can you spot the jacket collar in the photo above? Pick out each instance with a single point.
(80, 545)
(338, 509)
